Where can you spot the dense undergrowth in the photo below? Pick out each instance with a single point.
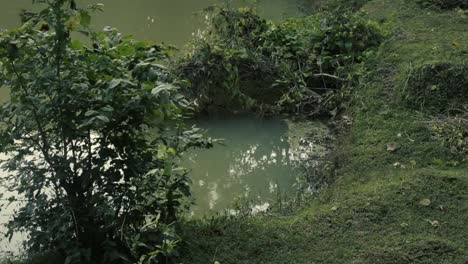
(444, 4)
(245, 63)
(401, 194)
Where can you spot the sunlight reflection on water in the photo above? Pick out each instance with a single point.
(256, 160)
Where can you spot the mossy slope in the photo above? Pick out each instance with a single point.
(406, 206)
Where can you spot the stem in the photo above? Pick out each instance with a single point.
(90, 164)
(45, 147)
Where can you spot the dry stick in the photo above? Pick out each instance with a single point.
(409, 76)
(122, 228)
(321, 74)
(216, 252)
(77, 230)
(456, 109)
(329, 76)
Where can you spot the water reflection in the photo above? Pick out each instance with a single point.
(7, 209)
(258, 159)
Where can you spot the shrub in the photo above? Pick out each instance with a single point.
(92, 136)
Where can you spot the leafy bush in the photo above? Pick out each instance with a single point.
(225, 59)
(243, 62)
(438, 87)
(92, 136)
(445, 4)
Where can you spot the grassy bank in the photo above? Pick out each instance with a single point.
(406, 205)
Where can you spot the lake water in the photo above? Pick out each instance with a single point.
(169, 21)
(254, 162)
(257, 159)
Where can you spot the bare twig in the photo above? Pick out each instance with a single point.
(329, 76)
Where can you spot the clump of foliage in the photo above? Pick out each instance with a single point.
(438, 87)
(92, 136)
(445, 4)
(225, 56)
(248, 63)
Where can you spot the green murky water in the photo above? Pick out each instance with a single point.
(169, 21)
(257, 160)
(253, 162)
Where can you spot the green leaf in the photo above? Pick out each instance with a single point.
(125, 50)
(104, 119)
(171, 150)
(160, 66)
(97, 7)
(85, 19)
(162, 152)
(77, 45)
(107, 108)
(114, 83)
(163, 87)
(91, 113)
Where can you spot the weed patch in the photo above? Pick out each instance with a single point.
(438, 87)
